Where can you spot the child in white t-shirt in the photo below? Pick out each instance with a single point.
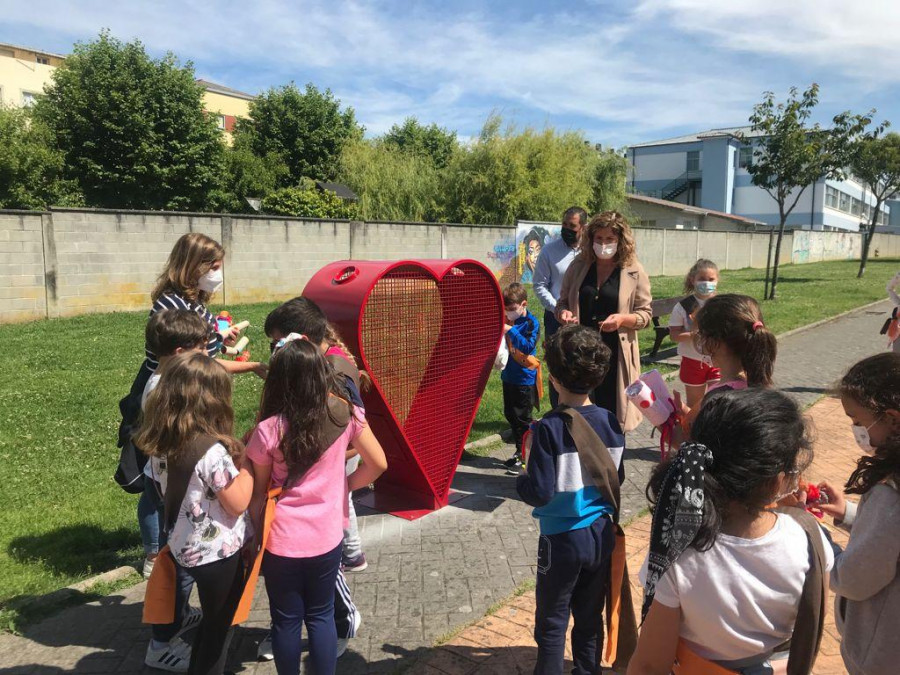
(697, 370)
(724, 574)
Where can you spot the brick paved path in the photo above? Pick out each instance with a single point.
(425, 578)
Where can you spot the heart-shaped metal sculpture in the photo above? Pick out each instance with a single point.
(427, 332)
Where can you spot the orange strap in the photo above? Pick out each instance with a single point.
(687, 662)
(243, 610)
(529, 363)
(159, 598)
(619, 607)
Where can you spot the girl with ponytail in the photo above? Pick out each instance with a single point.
(724, 575)
(730, 329)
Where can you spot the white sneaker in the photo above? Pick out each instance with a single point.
(148, 567)
(264, 651)
(174, 657)
(193, 617)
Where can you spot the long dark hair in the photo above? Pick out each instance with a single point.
(297, 388)
(753, 435)
(736, 321)
(874, 383)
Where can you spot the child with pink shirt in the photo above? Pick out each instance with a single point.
(300, 444)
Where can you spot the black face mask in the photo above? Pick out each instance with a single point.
(568, 236)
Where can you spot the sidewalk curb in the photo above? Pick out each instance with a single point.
(668, 377)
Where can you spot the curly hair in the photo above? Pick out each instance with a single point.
(736, 321)
(192, 256)
(754, 435)
(874, 383)
(625, 253)
(577, 358)
(193, 399)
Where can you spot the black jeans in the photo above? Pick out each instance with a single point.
(219, 585)
(551, 325)
(518, 401)
(573, 576)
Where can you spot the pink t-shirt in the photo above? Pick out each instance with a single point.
(736, 385)
(310, 516)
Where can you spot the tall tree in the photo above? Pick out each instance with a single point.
(30, 167)
(431, 141)
(306, 130)
(876, 162)
(131, 128)
(789, 154)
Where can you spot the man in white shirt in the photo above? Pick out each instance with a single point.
(551, 267)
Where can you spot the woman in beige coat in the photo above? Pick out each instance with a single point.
(607, 289)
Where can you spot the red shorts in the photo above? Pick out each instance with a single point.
(697, 373)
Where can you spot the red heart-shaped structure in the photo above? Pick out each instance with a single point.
(427, 332)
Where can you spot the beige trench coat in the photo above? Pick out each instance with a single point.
(634, 298)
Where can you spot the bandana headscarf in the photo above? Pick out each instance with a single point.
(678, 514)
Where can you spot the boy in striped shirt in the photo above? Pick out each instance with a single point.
(577, 535)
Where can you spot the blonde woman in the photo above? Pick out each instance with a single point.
(607, 289)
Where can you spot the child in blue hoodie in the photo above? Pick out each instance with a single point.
(577, 533)
(519, 389)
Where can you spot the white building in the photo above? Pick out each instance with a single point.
(709, 170)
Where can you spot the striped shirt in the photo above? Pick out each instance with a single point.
(175, 301)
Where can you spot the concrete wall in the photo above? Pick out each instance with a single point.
(67, 262)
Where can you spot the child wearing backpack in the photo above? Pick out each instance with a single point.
(696, 370)
(865, 576)
(188, 423)
(300, 445)
(520, 379)
(576, 510)
(724, 575)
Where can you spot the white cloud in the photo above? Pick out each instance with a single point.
(669, 65)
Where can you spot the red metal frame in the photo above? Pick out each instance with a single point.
(427, 332)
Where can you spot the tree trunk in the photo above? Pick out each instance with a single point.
(867, 241)
(772, 290)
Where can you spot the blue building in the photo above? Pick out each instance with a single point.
(709, 170)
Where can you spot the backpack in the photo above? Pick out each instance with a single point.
(129, 474)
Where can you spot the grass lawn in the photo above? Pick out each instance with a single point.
(61, 516)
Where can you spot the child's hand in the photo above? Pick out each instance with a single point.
(261, 370)
(506, 328)
(230, 336)
(837, 504)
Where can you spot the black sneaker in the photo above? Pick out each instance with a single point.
(513, 465)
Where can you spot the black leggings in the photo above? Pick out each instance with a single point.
(219, 585)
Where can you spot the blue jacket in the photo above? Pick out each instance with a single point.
(556, 482)
(523, 336)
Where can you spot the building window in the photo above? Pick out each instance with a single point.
(831, 197)
(745, 156)
(28, 98)
(855, 206)
(43, 60)
(693, 160)
(220, 120)
(845, 202)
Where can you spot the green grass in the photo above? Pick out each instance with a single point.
(61, 516)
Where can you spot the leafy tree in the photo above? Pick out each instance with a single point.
(306, 130)
(789, 154)
(432, 141)
(534, 175)
(132, 129)
(392, 184)
(610, 170)
(30, 168)
(876, 162)
(246, 175)
(305, 201)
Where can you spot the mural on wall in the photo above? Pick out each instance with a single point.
(530, 239)
(819, 246)
(501, 258)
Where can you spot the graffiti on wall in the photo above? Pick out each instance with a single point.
(818, 246)
(530, 240)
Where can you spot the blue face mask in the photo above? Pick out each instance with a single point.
(705, 287)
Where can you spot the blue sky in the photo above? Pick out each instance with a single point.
(624, 72)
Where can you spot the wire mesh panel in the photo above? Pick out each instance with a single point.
(427, 332)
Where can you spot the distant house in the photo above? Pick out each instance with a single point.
(663, 214)
(226, 104)
(709, 170)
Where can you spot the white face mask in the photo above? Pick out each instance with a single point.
(861, 434)
(605, 251)
(211, 281)
(512, 315)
